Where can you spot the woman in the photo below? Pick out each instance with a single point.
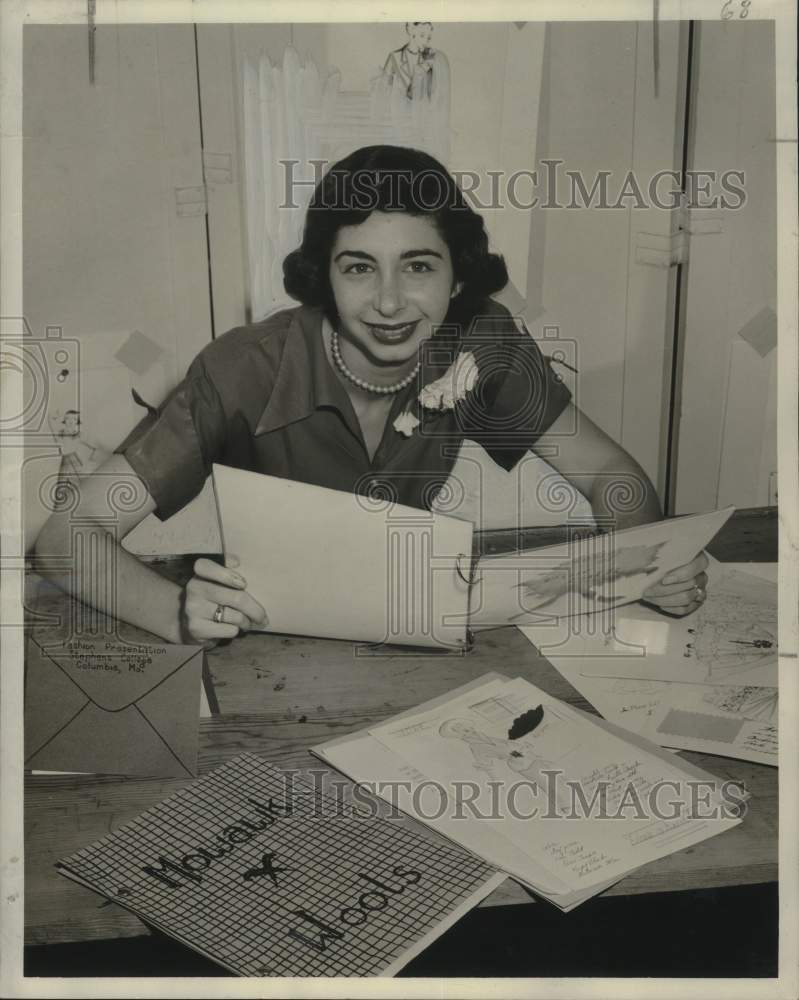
(394, 276)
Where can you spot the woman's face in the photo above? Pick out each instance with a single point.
(392, 280)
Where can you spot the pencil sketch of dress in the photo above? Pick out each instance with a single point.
(735, 630)
(520, 758)
(594, 577)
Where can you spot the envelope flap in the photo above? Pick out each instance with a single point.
(115, 674)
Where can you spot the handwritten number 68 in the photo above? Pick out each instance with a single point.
(731, 8)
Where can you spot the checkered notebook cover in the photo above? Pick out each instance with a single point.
(268, 875)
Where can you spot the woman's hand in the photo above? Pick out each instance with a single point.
(682, 590)
(216, 605)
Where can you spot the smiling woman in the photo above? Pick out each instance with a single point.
(392, 281)
(395, 355)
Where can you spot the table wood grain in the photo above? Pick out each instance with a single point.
(279, 695)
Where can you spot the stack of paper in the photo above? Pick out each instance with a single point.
(564, 803)
(269, 875)
(704, 682)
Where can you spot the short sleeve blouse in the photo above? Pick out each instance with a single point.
(265, 398)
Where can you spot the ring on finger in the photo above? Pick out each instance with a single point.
(699, 593)
(218, 615)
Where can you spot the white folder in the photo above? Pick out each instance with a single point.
(335, 564)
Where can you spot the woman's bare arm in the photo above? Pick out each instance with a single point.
(80, 549)
(621, 496)
(620, 492)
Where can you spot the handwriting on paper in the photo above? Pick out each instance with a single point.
(114, 657)
(619, 785)
(575, 856)
(188, 869)
(191, 865)
(370, 901)
(735, 9)
(764, 740)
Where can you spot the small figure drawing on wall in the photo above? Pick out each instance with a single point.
(412, 66)
(411, 92)
(78, 457)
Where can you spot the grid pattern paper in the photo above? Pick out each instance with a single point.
(269, 876)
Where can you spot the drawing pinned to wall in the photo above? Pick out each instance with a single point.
(139, 352)
(78, 456)
(413, 90)
(278, 101)
(412, 63)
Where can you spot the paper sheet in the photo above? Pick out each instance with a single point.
(329, 563)
(587, 575)
(731, 639)
(469, 742)
(624, 671)
(364, 759)
(732, 721)
(628, 702)
(642, 705)
(269, 876)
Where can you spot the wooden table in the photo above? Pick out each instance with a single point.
(279, 695)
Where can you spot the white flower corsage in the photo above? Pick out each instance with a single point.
(454, 385)
(406, 423)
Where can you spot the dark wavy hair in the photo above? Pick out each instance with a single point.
(391, 179)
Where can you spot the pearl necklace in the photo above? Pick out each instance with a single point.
(383, 390)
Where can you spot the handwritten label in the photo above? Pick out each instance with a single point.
(618, 783)
(114, 658)
(577, 858)
(763, 740)
(370, 901)
(735, 9)
(190, 866)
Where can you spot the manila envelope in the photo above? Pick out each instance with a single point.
(111, 707)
